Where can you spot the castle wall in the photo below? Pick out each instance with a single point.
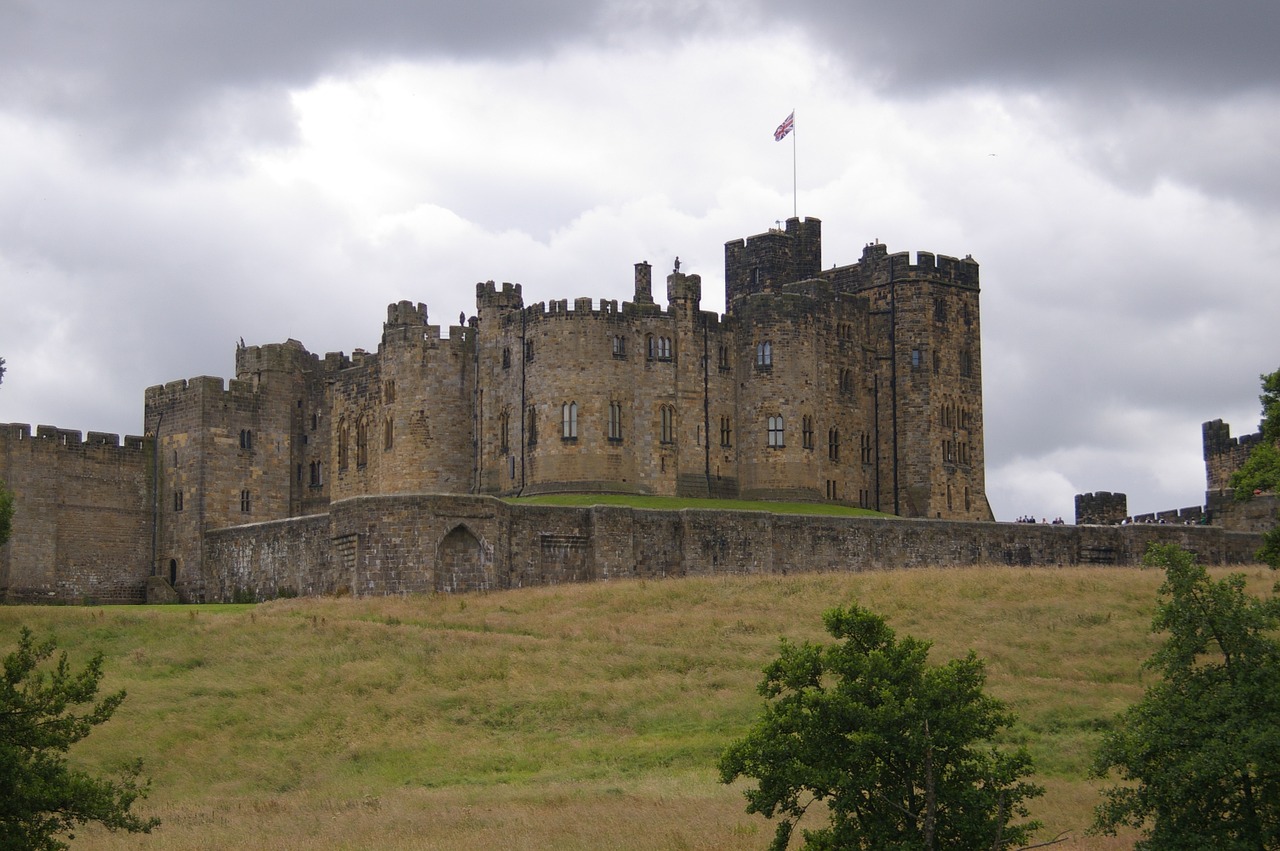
(435, 543)
(281, 558)
(82, 516)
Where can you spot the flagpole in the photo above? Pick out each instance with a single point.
(795, 203)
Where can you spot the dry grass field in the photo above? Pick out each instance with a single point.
(570, 717)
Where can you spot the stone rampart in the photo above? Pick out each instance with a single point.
(82, 519)
(422, 543)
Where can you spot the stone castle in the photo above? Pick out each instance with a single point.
(380, 472)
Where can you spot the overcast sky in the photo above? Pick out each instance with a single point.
(177, 175)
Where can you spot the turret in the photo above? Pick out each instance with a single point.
(767, 261)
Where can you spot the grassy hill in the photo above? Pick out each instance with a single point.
(585, 716)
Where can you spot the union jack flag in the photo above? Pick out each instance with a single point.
(785, 127)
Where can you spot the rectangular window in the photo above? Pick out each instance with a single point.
(806, 432)
(506, 358)
(723, 362)
(619, 346)
(916, 354)
(726, 432)
(668, 424)
(177, 500)
(388, 434)
(528, 350)
(532, 428)
(966, 364)
(833, 444)
(244, 501)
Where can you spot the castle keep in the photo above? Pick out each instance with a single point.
(378, 472)
(857, 384)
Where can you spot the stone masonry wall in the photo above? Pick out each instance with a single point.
(82, 516)
(436, 543)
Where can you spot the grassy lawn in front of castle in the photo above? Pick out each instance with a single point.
(568, 717)
(674, 503)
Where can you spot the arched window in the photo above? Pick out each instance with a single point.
(806, 432)
(569, 420)
(343, 439)
(764, 354)
(362, 443)
(532, 428)
(504, 431)
(388, 434)
(667, 431)
(775, 431)
(615, 421)
(246, 438)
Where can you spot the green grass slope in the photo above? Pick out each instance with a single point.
(571, 717)
(672, 503)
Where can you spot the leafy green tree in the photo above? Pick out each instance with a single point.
(1261, 470)
(41, 797)
(1270, 552)
(898, 749)
(1199, 755)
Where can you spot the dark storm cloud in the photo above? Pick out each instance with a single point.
(1184, 45)
(145, 72)
(141, 69)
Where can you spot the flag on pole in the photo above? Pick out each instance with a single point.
(785, 127)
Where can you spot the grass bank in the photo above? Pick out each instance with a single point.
(672, 503)
(570, 717)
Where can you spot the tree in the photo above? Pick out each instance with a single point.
(1, 370)
(1261, 470)
(897, 748)
(41, 796)
(1200, 753)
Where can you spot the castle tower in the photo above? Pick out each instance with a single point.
(230, 455)
(928, 381)
(400, 420)
(762, 263)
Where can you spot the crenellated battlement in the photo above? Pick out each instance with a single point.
(406, 313)
(582, 308)
(1224, 454)
(491, 297)
(287, 357)
(54, 436)
(878, 267)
